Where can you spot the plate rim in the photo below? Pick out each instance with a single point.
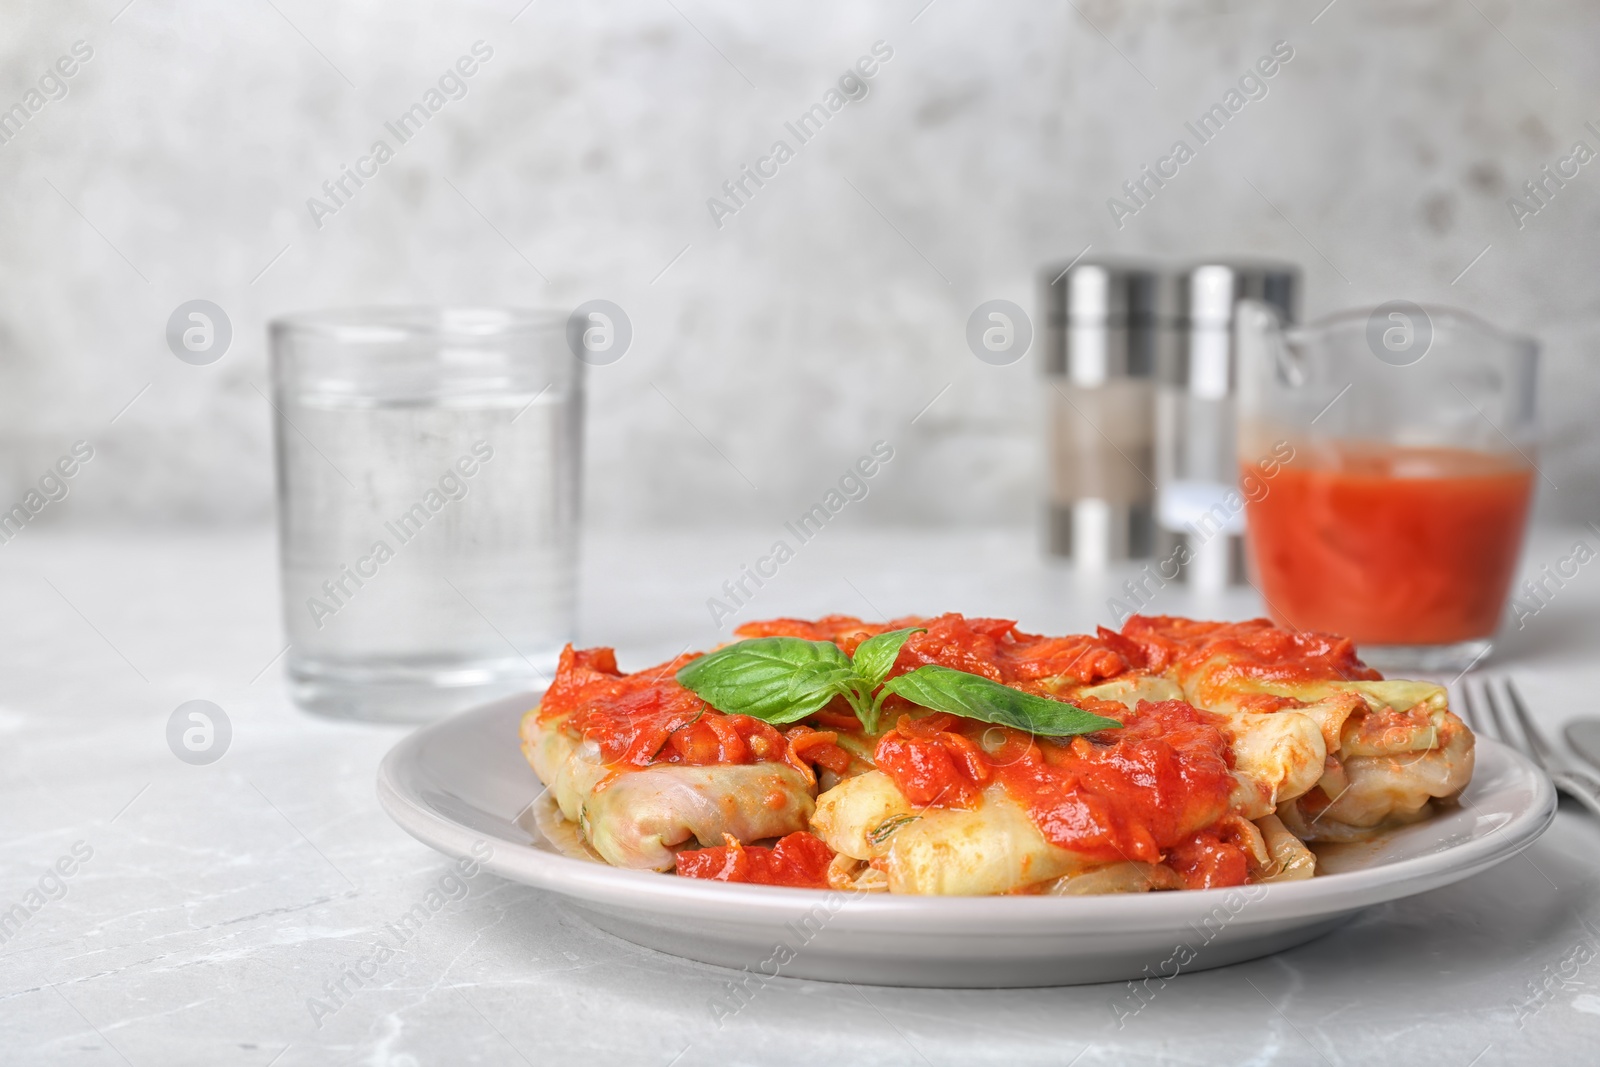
(600, 885)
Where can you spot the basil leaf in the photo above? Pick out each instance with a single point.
(775, 679)
(875, 656)
(975, 697)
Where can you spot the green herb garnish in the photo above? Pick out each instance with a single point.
(975, 697)
(784, 679)
(880, 833)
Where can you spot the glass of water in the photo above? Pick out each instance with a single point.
(428, 464)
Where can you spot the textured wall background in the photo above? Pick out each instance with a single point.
(824, 315)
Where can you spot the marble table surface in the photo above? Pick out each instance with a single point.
(177, 914)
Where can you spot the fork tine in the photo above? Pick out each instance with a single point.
(1530, 729)
(1469, 706)
(1515, 738)
(1499, 722)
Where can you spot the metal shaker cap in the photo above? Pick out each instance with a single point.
(1207, 294)
(1101, 318)
(1209, 290)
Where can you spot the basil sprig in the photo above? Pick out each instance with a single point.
(973, 696)
(784, 679)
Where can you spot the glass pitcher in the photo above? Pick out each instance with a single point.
(1388, 458)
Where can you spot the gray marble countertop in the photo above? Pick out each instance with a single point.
(190, 914)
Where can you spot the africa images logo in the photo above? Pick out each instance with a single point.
(1141, 189)
(452, 85)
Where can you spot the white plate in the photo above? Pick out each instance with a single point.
(463, 782)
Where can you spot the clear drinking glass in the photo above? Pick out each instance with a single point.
(1388, 457)
(428, 464)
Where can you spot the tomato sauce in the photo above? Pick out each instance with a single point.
(993, 648)
(1144, 792)
(798, 859)
(932, 763)
(1207, 860)
(647, 717)
(1392, 546)
(1255, 649)
(1129, 794)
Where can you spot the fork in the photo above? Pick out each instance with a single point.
(1577, 784)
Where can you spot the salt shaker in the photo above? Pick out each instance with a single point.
(1200, 514)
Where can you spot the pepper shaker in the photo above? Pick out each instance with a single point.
(1101, 321)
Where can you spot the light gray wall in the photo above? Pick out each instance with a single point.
(824, 315)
